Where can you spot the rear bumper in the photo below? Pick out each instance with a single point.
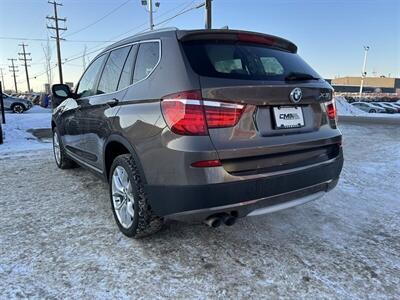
(245, 196)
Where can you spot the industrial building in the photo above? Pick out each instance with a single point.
(371, 85)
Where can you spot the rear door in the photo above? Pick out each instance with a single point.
(284, 100)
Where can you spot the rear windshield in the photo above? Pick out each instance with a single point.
(238, 60)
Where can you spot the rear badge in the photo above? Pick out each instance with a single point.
(295, 95)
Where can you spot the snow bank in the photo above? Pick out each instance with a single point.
(16, 137)
(346, 109)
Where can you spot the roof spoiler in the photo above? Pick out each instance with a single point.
(237, 35)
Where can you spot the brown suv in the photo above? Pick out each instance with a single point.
(206, 125)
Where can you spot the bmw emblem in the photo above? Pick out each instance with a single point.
(295, 95)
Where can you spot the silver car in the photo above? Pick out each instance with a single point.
(16, 105)
(368, 107)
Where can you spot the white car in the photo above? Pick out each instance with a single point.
(368, 107)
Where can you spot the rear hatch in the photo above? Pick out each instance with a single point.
(286, 119)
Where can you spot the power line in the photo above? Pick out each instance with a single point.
(57, 37)
(101, 46)
(180, 13)
(23, 57)
(44, 40)
(98, 20)
(157, 24)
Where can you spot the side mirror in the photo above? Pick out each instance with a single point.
(60, 93)
(61, 90)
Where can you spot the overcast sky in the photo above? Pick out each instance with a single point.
(330, 34)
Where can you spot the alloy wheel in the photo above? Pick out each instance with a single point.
(122, 196)
(56, 148)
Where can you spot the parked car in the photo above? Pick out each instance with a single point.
(368, 107)
(396, 106)
(16, 105)
(388, 109)
(206, 125)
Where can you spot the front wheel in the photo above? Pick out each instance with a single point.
(372, 111)
(128, 200)
(62, 161)
(18, 108)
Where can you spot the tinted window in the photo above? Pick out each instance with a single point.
(126, 76)
(147, 59)
(86, 84)
(112, 71)
(243, 61)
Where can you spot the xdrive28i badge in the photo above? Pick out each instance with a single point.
(295, 95)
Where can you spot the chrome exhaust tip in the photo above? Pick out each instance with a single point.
(213, 222)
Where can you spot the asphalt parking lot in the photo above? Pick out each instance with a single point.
(59, 240)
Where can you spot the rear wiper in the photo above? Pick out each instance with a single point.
(296, 76)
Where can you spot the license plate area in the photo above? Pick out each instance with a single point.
(287, 117)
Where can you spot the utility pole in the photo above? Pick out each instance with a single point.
(2, 78)
(207, 7)
(364, 74)
(25, 60)
(14, 69)
(57, 29)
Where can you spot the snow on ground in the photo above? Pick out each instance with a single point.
(16, 137)
(59, 239)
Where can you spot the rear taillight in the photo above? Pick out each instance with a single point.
(331, 110)
(187, 114)
(222, 114)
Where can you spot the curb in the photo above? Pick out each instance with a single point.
(369, 120)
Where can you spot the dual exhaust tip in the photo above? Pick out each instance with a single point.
(217, 220)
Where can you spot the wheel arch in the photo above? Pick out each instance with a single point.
(116, 145)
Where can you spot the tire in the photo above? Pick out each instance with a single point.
(141, 221)
(18, 108)
(372, 111)
(60, 157)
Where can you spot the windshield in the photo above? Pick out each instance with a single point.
(238, 60)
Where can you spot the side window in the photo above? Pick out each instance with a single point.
(112, 71)
(126, 75)
(146, 60)
(86, 84)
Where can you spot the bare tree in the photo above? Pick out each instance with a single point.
(47, 54)
(84, 58)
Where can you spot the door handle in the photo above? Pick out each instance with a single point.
(113, 102)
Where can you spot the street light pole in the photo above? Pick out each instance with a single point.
(150, 6)
(364, 74)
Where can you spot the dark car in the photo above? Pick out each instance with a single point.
(388, 109)
(16, 105)
(207, 125)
